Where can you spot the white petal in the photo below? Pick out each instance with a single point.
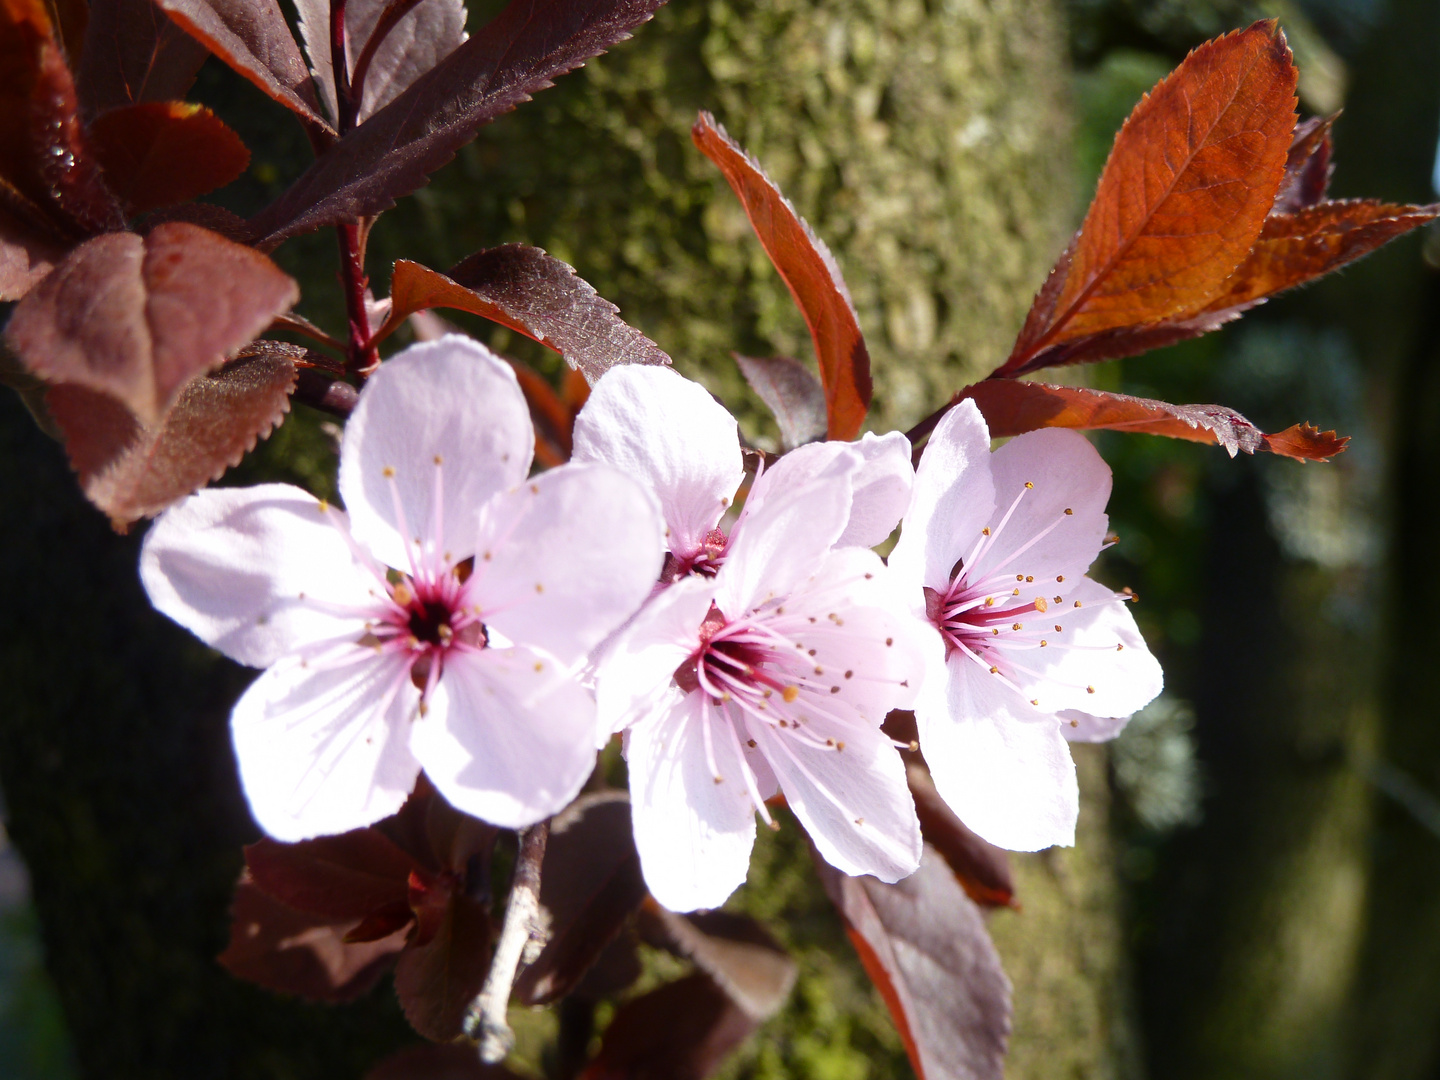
(694, 835)
(951, 502)
(880, 485)
(1077, 726)
(325, 750)
(1082, 668)
(566, 558)
(508, 737)
(256, 572)
(1068, 474)
(1005, 771)
(666, 431)
(452, 400)
(882, 489)
(638, 667)
(854, 803)
(778, 544)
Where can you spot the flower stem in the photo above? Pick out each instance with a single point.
(362, 355)
(485, 1020)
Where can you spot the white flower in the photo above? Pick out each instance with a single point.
(435, 625)
(771, 661)
(668, 432)
(992, 554)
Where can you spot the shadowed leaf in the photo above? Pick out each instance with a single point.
(682, 1031)
(1188, 184)
(27, 254)
(43, 152)
(982, 868)
(533, 294)
(291, 952)
(139, 317)
(437, 981)
(1298, 247)
(924, 944)
(809, 271)
(590, 884)
(736, 951)
(130, 471)
(253, 38)
(791, 392)
(158, 153)
(455, 1062)
(426, 33)
(134, 52)
(522, 51)
(1011, 408)
(1307, 166)
(343, 877)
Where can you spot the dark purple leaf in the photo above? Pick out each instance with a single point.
(130, 471)
(522, 51)
(437, 981)
(139, 317)
(792, 392)
(532, 293)
(134, 53)
(924, 944)
(736, 951)
(1307, 167)
(254, 39)
(292, 952)
(682, 1031)
(590, 884)
(159, 153)
(348, 876)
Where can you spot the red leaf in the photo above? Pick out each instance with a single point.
(130, 471)
(811, 274)
(533, 294)
(455, 1062)
(254, 39)
(520, 52)
(159, 153)
(789, 390)
(282, 949)
(1307, 166)
(982, 869)
(138, 318)
(133, 53)
(590, 884)
(43, 155)
(682, 1031)
(1011, 408)
(924, 944)
(342, 877)
(436, 982)
(1298, 247)
(1188, 184)
(736, 951)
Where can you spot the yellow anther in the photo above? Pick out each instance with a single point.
(790, 693)
(388, 472)
(1028, 484)
(1040, 604)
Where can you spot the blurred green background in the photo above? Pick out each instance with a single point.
(1257, 889)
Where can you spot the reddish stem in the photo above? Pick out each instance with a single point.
(362, 357)
(340, 68)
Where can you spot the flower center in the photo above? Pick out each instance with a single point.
(705, 562)
(730, 662)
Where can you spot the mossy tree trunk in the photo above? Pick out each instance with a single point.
(925, 140)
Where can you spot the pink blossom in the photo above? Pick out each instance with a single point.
(771, 661)
(992, 555)
(435, 623)
(669, 433)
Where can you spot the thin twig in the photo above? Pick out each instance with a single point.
(485, 1020)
